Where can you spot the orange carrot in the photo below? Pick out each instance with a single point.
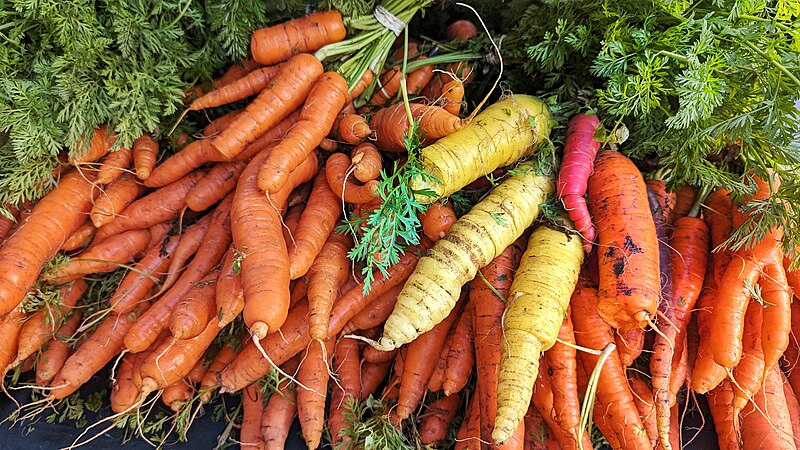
(436, 380)
(666, 200)
(766, 422)
(194, 311)
(148, 272)
(240, 89)
(793, 405)
(235, 72)
(561, 363)
(315, 226)
(145, 154)
(352, 129)
(220, 123)
(373, 374)
(7, 223)
(209, 382)
(777, 316)
(337, 171)
(10, 327)
(629, 268)
(313, 375)
(418, 79)
(437, 219)
(684, 199)
(461, 30)
(305, 34)
(315, 121)
(197, 373)
(325, 278)
(114, 165)
(749, 373)
(177, 394)
(643, 398)
(80, 238)
(114, 199)
(106, 256)
(101, 142)
(452, 97)
(367, 163)
(720, 403)
(375, 313)
(468, 437)
(229, 296)
(717, 215)
(437, 418)
(706, 373)
(124, 394)
(389, 85)
(253, 407)
(543, 398)
(51, 222)
(191, 240)
(286, 93)
(53, 357)
(219, 182)
(391, 125)
(280, 411)
(361, 85)
(346, 364)
(461, 355)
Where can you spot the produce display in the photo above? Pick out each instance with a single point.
(403, 224)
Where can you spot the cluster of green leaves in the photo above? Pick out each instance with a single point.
(707, 88)
(369, 428)
(67, 67)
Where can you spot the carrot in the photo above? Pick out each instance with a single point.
(418, 79)
(461, 30)
(489, 310)
(749, 373)
(106, 256)
(194, 311)
(337, 170)
(325, 278)
(621, 423)
(124, 394)
(253, 407)
(216, 242)
(391, 125)
(436, 380)
(114, 199)
(643, 399)
(43, 324)
(419, 367)
(280, 411)
(438, 219)
(543, 399)
(437, 418)
(257, 231)
(561, 363)
(346, 364)
(630, 344)
(240, 89)
(158, 206)
(792, 276)
(235, 72)
(219, 182)
(229, 296)
(177, 394)
(114, 165)
(706, 373)
(666, 200)
(197, 373)
(372, 355)
(793, 406)
(766, 422)
(315, 226)
(684, 199)
(145, 154)
(473, 241)
(101, 142)
(80, 238)
(191, 240)
(720, 403)
(286, 93)
(389, 85)
(315, 121)
(313, 375)
(452, 96)
(209, 382)
(146, 274)
(580, 150)
(305, 34)
(352, 129)
(629, 269)
(373, 374)
(367, 163)
(681, 372)
(105, 342)
(777, 315)
(468, 437)
(391, 390)
(51, 222)
(718, 217)
(461, 354)
(374, 314)
(8, 223)
(10, 328)
(56, 352)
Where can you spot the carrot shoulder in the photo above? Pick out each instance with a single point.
(305, 34)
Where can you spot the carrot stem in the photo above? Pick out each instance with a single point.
(591, 390)
(705, 191)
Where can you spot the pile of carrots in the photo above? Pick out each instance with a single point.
(234, 270)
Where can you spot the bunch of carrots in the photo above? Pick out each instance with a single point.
(511, 323)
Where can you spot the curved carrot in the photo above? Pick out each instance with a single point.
(337, 169)
(100, 143)
(389, 86)
(643, 398)
(684, 199)
(229, 296)
(177, 394)
(80, 238)
(316, 224)
(315, 121)
(373, 374)
(717, 214)
(461, 354)
(346, 364)
(628, 249)
(106, 256)
(240, 89)
(114, 199)
(468, 436)
(374, 314)
(436, 421)
(124, 394)
(542, 399)
(280, 410)
(286, 93)
(145, 154)
(352, 129)
(235, 72)
(630, 344)
(138, 283)
(706, 373)
(367, 162)
(777, 324)
(766, 422)
(305, 34)
(452, 96)
(313, 375)
(749, 372)
(561, 363)
(418, 79)
(391, 125)
(114, 165)
(325, 278)
(720, 403)
(209, 382)
(53, 357)
(666, 200)
(190, 241)
(51, 222)
(194, 311)
(793, 405)
(218, 182)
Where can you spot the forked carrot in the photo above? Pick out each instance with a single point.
(337, 169)
(114, 165)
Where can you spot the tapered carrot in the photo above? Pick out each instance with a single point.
(305, 34)
(437, 418)
(145, 154)
(629, 270)
(313, 375)
(706, 373)
(775, 332)
(114, 199)
(209, 382)
(316, 224)
(419, 367)
(124, 394)
(257, 232)
(229, 297)
(100, 143)
(7, 223)
(270, 138)
(468, 436)
(643, 399)
(94, 353)
(391, 390)
(216, 242)
(55, 354)
(138, 283)
(194, 311)
(240, 89)
(191, 240)
(372, 375)
(42, 325)
(235, 72)
(197, 373)
(375, 313)
(373, 355)
(159, 206)
(114, 165)
(80, 238)
(51, 222)
(461, 355)
(253, 407)
(219, 182)
(543, 399)
(793, 406)
(346, 364)
(436, 379)
(437, 220)
(452, 96)
(389, 85)
(717, 215)
(630, 344)
(749, 372)
(286, 93)
(766, 422)
(325, 278)
(419, 78)
(562, 365)
(220, 123)
(337, 170)
(290, 221)
(280, 410)
(108, 255)
(537, 433)
(10, 328)
(352, 129)
(720, 403)
(391, 125)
